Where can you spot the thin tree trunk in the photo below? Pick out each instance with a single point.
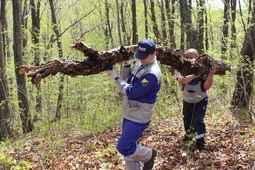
(108, 25)
(3, 26)
(163, 23)
(170, 18)
(154, 23)
(118, 19)
(35, 39)
(24, 23)
(182, 46)
(241, 14)
(106, 31)
(201, 6)
(249, 11)
(27, 124)
(60, 52)
(225, 28)
(6, 119)
(233, 20)
(134, 24)
(127, 35)
(206, 31)
(145, 19)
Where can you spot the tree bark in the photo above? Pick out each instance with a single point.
(126, 37)
(27, 123)
(241, 15)
(154, 22)
(206, 31)
(201, 7)
(60, 52)
(3, 26)
(24, 23)
(145, 19)
(35, 14)
(134, 24)
(225, 28)
(108, 25)
(191, 33)
(97, 62)
(170, 18)
(233, 27)
(118, 20)
(163, 23)
(6, 119)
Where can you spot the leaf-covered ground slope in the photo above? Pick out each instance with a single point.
(231, 145)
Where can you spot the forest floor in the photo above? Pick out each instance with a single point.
(230, 143)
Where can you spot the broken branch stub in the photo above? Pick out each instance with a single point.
(97, 62)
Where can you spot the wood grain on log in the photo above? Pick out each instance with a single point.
(96, 62)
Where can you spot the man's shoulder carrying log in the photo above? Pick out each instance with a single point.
(96, 62)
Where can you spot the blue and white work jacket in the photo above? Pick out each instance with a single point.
(140, 87)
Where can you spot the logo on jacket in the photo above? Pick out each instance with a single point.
(144, 82)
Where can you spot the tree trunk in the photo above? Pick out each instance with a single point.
(241, 15)
(135, 35)
(154, 23)
(206, 31)
(201, 6)
(192, 41)
(126, 40)
(182, 47)
(170, 18)
(108, 29)
(24, 23)
(97, 62)
(118, 20)
(225, 28)
(145, 19)
(6, 119)
(108, 24)
(3, 26)
(60, 53)
(27, 124)
(35, 14)
(163, 23)
(249, 11)
(243, 88)
(233, 27)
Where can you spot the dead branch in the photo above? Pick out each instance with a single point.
(96, 62)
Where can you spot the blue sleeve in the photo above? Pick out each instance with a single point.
(147, 82)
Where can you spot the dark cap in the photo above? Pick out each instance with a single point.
(145, 48)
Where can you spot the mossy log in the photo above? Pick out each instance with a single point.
(96, 62)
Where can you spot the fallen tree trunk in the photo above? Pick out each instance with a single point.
(96, 62)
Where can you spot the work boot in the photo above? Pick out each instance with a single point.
(149, 165)
(201, 148)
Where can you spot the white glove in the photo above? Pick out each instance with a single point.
(112, 73)
(130, 61)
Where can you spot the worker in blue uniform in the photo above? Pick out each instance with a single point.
(139, 86)
(195, 100)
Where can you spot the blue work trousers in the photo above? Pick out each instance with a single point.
(193, 118)
(131, 131)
